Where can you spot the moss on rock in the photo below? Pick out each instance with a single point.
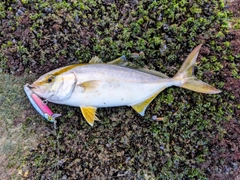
(38, 36)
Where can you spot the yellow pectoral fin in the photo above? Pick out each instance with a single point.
(89, 84)
(141, 107)
(89, 113)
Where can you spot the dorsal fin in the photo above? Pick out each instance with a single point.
(119, 60)
(153, 72)
(122, 61)
(95, 60)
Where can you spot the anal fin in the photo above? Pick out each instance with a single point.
(89, 113)
(141, 107)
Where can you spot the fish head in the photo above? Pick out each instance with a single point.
(55, 86)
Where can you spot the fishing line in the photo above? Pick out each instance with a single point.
(56, 147)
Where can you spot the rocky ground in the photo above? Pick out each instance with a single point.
(196, 135)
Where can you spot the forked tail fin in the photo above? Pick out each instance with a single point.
(188, 80)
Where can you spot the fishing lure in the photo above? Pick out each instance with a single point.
(39, 105)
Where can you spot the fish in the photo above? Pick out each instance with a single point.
(117, 83)
(39, 105)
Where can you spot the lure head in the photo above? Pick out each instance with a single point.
(55, 85)
(51, 118)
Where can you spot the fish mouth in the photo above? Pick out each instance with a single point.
(30, 86)
(34, 88)
(40, 92)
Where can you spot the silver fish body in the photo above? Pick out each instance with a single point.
(104, 85)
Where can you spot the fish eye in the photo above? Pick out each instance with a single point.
(49, 80)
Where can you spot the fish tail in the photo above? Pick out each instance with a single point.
(186, 78)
